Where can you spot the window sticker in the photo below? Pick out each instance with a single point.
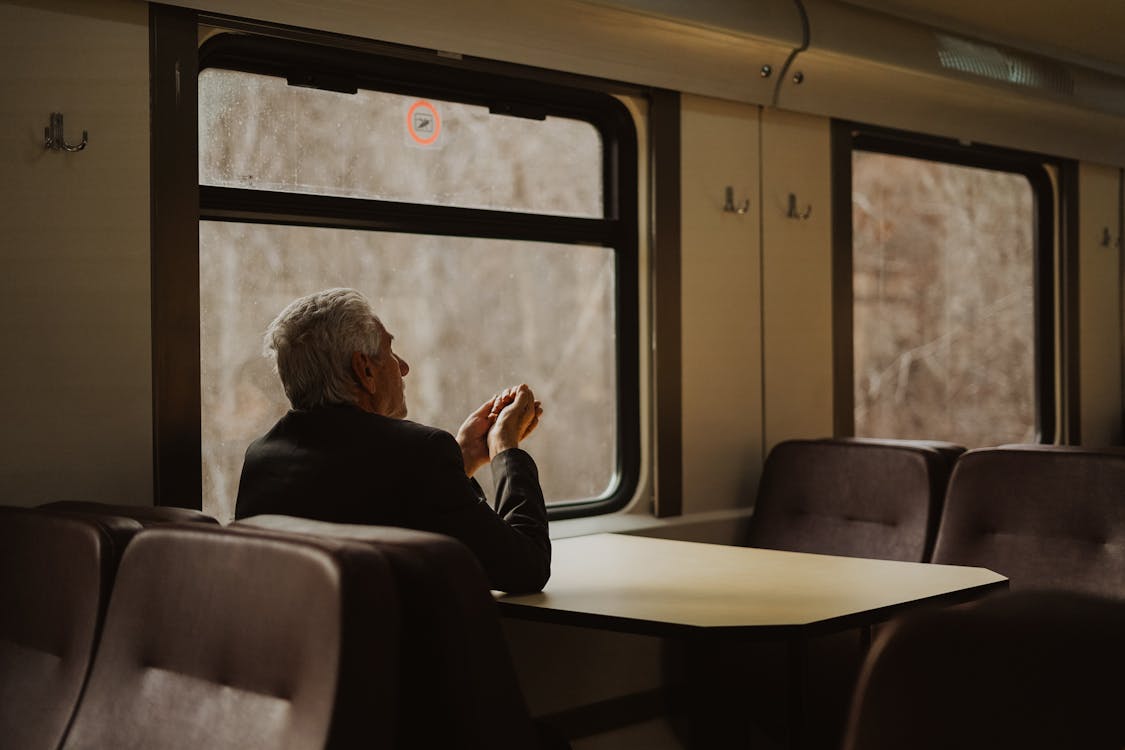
(423, 125)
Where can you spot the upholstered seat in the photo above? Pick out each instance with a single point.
(1030, 670)
(223, 639)
(857, 497)
(459, 687)
(1045, 517)
(854, 497)
(56, 574)
(146, 515)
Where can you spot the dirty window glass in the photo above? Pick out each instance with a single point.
(461, 317)
(263, 134)
(944, 303)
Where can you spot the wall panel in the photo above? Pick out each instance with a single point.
(721, 305)
(1099, 305)
(74, 248)
(796, 277)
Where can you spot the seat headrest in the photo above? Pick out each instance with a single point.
(146, 515)
(1033, 670)
(231, 637)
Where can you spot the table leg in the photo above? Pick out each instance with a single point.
(864, 642)
(798, 663)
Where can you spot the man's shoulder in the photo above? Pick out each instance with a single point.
(341, 421)
(408, 430)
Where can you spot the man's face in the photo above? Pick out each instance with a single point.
(390, 391)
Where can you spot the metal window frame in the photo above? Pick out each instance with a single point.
(280, 51)
(1054, 275)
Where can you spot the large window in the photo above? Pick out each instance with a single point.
(952, 298)
(491, 220)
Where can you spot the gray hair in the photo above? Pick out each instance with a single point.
(312, 342)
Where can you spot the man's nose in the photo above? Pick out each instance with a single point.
(403, 367)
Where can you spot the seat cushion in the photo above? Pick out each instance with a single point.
(146, 515)
(1044, 517)
(56, 573)
(1030, 670)
(219, 638)
(455, 661)
(854, 497)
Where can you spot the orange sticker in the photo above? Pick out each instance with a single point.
(423, 123)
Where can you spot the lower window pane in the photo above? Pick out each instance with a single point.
(944, 318)
(470, 316)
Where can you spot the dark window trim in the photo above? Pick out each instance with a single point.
(843, 308)
(294, 209)
(433, 78)
(174, 164)
(1070, 428)
(448, 58)
(1051, 395)
(664, 146)
(178, 440)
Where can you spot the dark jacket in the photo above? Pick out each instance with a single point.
(344, 465)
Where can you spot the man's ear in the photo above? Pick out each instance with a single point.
(364, 372)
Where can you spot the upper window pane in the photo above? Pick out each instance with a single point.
(258, 132)
(944, 316)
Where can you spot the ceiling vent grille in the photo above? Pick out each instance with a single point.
(986, 61)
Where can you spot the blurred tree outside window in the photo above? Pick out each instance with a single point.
(471, 315)
(943, 294)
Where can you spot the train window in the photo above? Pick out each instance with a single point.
(266, 134)
(951, 299)
(491, 221)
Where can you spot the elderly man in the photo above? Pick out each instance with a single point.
(345, 453)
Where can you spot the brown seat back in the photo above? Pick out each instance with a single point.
(56, 573)
(854, 497)
(459, 687)
(146, 515)
(1030, 670)
(1045, 517)
(219, 638)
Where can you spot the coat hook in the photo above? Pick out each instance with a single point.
(793, 213)
(729, 206)
(1107, 238)
(53, 136)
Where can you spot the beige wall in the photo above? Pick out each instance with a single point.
(797, 277)
(721, 305)
(713, 49)
(1099, 305)
(74, 249)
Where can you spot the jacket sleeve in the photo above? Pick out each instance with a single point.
(511, 542)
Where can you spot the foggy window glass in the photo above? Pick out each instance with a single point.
(258, 132)
(470, 316)
(944, 318)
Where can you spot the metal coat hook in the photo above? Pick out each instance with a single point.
(729, 206)
(53, 136)
(793, 213)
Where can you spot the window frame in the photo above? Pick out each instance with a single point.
(527, 92)
(1054, 273)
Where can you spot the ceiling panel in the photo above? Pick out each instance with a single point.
(1088, 32)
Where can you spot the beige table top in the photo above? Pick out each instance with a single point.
(666, 587)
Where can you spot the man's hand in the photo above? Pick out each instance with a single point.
(516, 418)
(474, 434)
(472, 437)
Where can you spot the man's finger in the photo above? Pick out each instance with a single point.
(502, 399)
(530, 427)
(484, 409)
(524, 399)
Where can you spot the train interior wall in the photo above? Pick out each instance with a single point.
(756, 318)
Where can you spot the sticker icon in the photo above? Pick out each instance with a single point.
(423, 123)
